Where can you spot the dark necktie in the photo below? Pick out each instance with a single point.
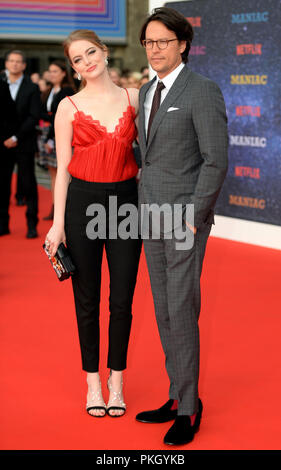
(155, 105)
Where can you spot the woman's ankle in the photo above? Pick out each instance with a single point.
(116, 378)
(93, 379)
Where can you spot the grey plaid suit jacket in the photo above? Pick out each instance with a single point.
(185, 159)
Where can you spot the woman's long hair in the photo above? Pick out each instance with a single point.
(67, 79)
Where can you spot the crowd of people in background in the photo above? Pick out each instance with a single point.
(128, 79)
(47, 89)
(125, 78)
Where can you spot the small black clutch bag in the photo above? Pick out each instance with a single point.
(61, 262)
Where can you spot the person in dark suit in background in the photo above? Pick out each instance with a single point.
(8, 126)
(19, 196)
(22, 144)
(62, 86)
(183, 141)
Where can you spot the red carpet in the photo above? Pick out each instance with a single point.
(43, 389)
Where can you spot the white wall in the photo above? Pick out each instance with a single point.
(240, 230)
(247, 231)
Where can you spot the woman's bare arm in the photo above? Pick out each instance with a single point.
(63, 135)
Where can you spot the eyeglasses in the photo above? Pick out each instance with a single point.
(161, 43)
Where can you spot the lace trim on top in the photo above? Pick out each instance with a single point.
(97, 123)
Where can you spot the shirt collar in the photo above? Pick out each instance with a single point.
(171, 77)
(17, 82)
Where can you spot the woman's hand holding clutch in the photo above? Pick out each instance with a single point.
(54, 237)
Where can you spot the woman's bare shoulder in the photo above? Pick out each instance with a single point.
(67, 106)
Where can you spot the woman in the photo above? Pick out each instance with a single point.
(99, 121)
(43, 125)
(61, 86)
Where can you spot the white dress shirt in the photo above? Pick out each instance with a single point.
(50, 100)
(14, 87)
(168, 82)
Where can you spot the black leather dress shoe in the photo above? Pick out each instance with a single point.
(161, 415)
(182, 432)
(32, 233)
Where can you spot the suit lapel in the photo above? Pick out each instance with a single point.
(142, 136)
(21, 89)
(176, 89)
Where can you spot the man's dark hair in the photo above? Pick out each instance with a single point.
(16, 51)
(174, 21)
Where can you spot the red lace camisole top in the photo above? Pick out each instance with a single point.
(101, 156)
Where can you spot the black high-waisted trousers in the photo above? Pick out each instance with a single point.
(123, 260)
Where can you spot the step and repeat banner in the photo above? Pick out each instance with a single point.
(238, 45)
(53, 20)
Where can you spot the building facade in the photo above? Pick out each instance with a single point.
(126, 54)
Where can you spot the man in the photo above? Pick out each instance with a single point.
(184, 161)
(19, 196)
(21, 146)
(7, 128)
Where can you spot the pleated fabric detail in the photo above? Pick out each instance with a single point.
(101, 156)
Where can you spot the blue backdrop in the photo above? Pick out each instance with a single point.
(238, 45)
(53, 20)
